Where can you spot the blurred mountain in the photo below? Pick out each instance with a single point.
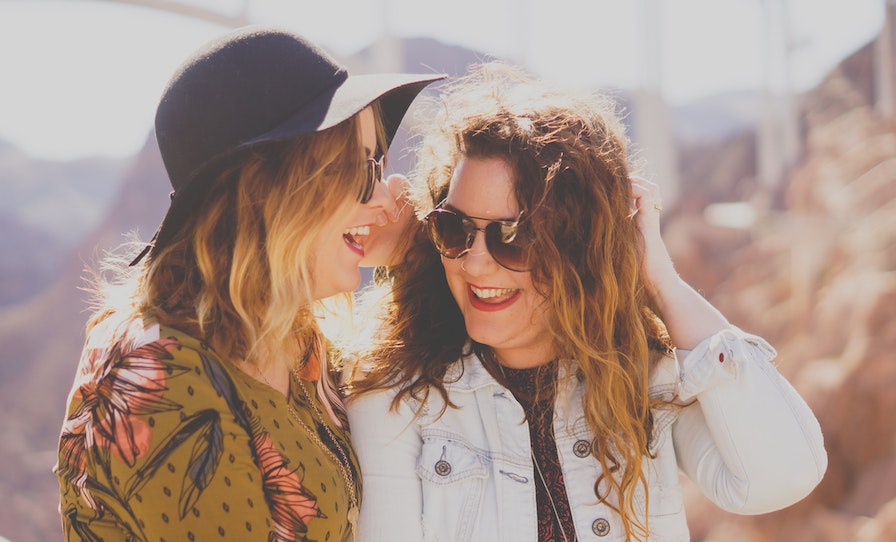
(816, 277)
(33, 257)
(41, 339)
(46, 208)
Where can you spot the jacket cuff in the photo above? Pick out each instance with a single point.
(718, 358)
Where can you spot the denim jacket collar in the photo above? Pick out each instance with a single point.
(469, 374)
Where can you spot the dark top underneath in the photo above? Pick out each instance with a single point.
(539, 408)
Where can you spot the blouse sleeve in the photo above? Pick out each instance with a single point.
(388, 446)
(749, 441)
(165, 456)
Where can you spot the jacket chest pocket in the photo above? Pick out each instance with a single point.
(452, 477)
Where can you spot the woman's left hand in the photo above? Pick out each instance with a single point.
(688, 316)
(658, 267)
(386, 243)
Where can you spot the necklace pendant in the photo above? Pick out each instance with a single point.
(353, 514)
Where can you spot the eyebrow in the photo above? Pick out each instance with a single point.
(458, 211)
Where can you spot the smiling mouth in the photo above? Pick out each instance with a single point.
(492, 295)
(354, 235)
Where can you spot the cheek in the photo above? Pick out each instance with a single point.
(452, 275)
(536, 304)
(451, 268)
(540, 312)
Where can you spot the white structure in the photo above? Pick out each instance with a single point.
(884, 69)
(387, 53)
(778, 137)
(653, 126)
(196, 12)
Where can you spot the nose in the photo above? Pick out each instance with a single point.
(478, 260)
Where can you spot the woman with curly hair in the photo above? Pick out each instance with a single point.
(541, 371)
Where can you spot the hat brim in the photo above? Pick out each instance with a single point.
(395, 93)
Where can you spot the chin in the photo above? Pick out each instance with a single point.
(482, 337)
(350, 284)
(341, 287)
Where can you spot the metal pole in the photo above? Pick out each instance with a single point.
(196, 12)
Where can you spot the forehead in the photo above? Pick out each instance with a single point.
(483, 187)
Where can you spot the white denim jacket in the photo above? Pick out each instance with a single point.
(749, 442)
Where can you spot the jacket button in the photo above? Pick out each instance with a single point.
(601, 527)
(443, 468)
(582, 448)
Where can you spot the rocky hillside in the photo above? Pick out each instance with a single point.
(818, 278)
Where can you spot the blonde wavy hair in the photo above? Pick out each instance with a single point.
(238, 273)
(570, 157)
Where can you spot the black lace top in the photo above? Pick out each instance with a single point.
(534, 389)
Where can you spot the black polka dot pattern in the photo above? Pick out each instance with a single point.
(203, 452)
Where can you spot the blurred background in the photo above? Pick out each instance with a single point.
(770, 125)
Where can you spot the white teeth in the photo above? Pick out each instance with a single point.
(359, 230)
(487, 293)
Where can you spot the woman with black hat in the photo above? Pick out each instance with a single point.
(204, 405)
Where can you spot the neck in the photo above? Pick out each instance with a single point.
(525, 358)
(274, 375)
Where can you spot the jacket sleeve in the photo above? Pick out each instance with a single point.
(388, 446)
(747, 438)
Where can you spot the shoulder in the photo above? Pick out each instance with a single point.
(151, 372)
(172, 363)
(114, 343)
(664, 376)
(467, 374)
(403, 400)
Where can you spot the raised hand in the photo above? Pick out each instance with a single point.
(689, 317)
(386, 242)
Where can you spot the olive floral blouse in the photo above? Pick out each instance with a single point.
(163, 441)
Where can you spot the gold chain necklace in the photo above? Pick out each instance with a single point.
(342, 460)
(544, 484)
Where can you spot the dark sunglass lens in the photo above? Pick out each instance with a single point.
(374, 175)
(366, 194)
(448, 233)
(505, 247)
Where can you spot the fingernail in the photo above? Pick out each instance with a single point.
(381, 219)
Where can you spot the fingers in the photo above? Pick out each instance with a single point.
(389, 197)
(398, 186)
(645, 196)
(386, 245)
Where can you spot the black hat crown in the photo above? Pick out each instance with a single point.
(255, 85)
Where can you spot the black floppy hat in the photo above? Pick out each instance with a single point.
(252, 86)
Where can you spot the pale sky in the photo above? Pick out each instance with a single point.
(82, 77)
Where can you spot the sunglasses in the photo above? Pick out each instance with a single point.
(374, 175)
(453, 233)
